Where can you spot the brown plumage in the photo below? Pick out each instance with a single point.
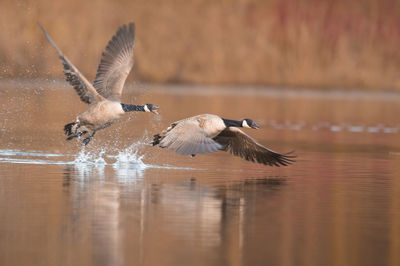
(103, 96)
(209, 133)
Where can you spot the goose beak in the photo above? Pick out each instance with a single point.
(154, 110)
(255, 126)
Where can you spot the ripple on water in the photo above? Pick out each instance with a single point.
(301, 125)
(129, 158)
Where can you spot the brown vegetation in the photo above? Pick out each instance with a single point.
(303, 43)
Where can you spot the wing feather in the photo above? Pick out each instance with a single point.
(116, 62)
(240, 144)
(187, 138)
(82, 86)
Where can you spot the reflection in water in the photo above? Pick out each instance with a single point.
(203, 218)
(128, 173)
(86, 184)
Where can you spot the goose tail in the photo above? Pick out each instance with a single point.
(156, 140)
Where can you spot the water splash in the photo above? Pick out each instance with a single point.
(130, 155)
(92, 158)
(129, 165)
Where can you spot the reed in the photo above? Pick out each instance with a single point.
(296, 43)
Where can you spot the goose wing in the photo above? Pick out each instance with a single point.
(187, 138)
(242, 145)
(116, 63)
(82, 86)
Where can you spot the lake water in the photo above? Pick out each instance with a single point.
(120, 201)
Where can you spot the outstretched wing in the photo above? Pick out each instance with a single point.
(187, 138)
(242, 145)
(82, 86)
(116, 63)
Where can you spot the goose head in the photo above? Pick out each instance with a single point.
(148, 107)
(249, 123)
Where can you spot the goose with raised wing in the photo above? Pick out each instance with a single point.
(210, 133)
(104, 95)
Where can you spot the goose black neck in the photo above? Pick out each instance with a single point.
(232, 123)
(132, 107)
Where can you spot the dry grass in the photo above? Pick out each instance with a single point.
(301, 43)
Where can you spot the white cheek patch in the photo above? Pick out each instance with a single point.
(244, 124)
(146, 109)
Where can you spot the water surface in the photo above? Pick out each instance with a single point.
(120, 201)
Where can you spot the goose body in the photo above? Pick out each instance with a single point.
(102, 113)
(211, 124)
(210, 133)
(103, 96)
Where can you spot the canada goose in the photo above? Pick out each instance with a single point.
(210, 133)
(103, 97)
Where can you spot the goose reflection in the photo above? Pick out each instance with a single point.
(95, 211)
(214, 216)
(193, 213)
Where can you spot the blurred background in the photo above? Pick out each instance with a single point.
(289, 43)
